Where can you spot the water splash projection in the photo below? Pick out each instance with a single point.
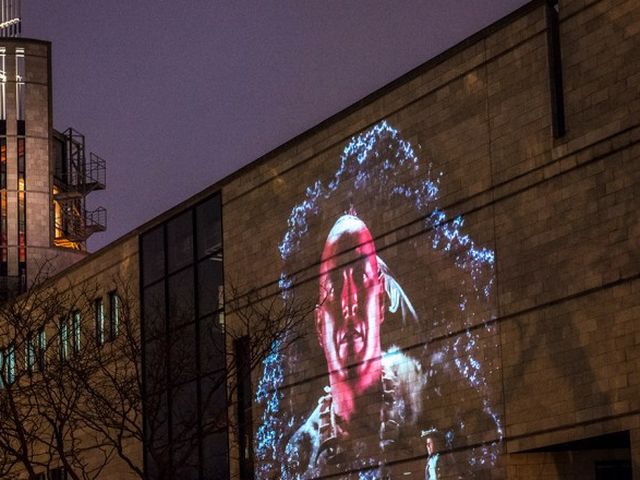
(422, 402)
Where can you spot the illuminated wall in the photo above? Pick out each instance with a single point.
(475, 273)
(405, 340)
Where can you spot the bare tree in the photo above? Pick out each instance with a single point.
(39, 401)
(124, 406)
(74, 394)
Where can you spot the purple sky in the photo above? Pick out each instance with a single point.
(175, 97)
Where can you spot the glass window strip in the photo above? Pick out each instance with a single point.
(150, 259)
(114, 314)
(3, 100)
(99, 318)
(42, 348)
(77, 332)
(3, 162)
(22, 215)
(4, 244)
(3, 84)
(20, 84)
(64, 340)
(30, 352)
(10, 364)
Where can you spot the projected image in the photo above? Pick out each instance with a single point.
(399, 377)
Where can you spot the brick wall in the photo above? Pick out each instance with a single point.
(562, 358)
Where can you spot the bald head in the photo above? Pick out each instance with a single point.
(351, 307)
(350, 238)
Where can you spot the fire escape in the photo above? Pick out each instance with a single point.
(75, 177)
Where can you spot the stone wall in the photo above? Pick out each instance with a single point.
(557, 335)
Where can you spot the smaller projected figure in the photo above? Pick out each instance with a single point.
(373, 396)
(433, 444)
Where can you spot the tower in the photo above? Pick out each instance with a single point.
(45, 175)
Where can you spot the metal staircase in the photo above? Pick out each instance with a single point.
(75, 177)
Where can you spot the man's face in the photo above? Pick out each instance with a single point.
(351, 303)
(431, 446)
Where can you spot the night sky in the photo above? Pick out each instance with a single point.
(177, 95)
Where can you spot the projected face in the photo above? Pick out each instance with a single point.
(404, 340)
(350, 311)
(431, 446)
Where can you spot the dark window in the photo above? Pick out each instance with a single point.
(184, 429)
(184, 380)
(209, 227)
(57, 474)
(554, 60)
(215, 463)
(154, 311)
(157, 447)
(184, 365)
(242, 352)
(181, 298)
(59, 153)
(613, 470)
(214, 399)
(157, 430)
(210, 281)
(153, 256)
(180, 242)
(156, 365)
(212, 348)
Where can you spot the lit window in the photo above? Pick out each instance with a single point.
(10, 364)
(64, 340)
(3, 83)
(20, 74)
(42, 348)
(77, 333)
(114, 314)
(99, 314)
(22, 216)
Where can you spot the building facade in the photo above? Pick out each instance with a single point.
(468, 240)
(470, 235)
